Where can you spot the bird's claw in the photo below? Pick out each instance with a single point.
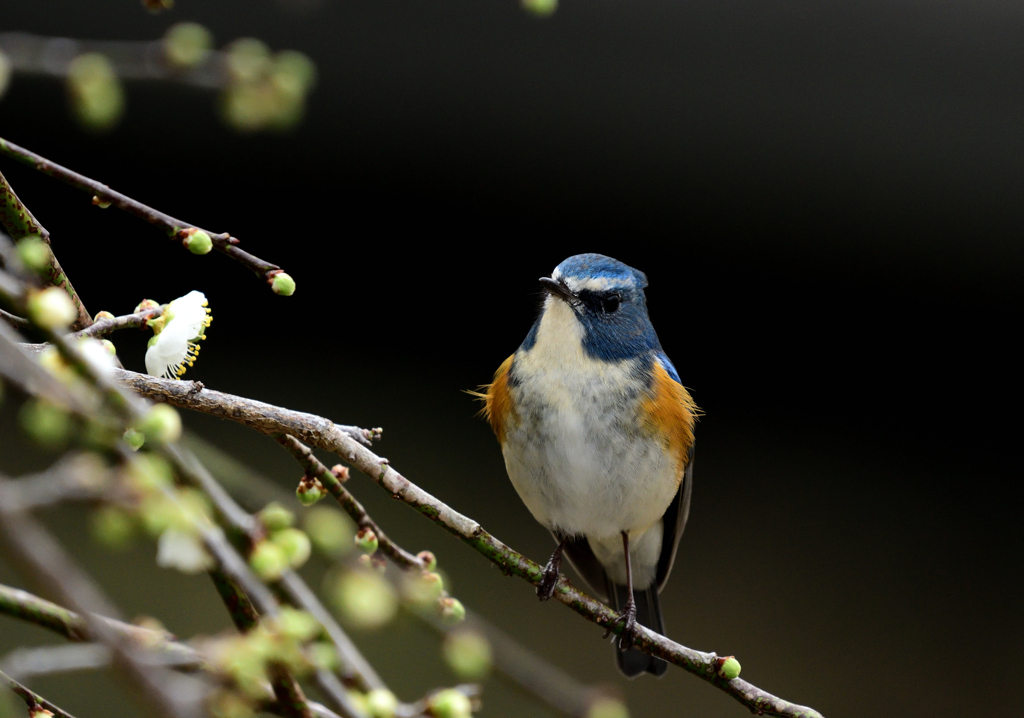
(548, 582)
(628, 635)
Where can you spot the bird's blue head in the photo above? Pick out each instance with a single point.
(606, 297)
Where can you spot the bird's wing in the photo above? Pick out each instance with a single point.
(673, 523)
(674, 520)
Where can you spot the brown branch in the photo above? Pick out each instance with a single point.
(175, 228)
(324, 434)
(128, 321)
(33, 701)
(16, 218)
(14, 320)
(348, 502)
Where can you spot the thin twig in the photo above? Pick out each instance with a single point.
(16, 218)
(33, 701)
(14, 320)
(175, 228)
(314, 467)
(324, 434)
(128, 321)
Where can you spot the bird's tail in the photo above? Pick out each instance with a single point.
(632, 662)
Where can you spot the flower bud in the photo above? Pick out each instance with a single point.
(34, 253)
(47, 424)
(187, 44)
(452, 611)
(365, 599)
(268, 560)
(96, 92)
(295, 545)
(309, 492)
(283, 284)
(422, 588)
(605, 707)
(112, 527)
(330, 531)
(429, 560)
(729, 669)
(468, 654)
(366, 541)
(275, 517)
(183, 551)
(161, 424)
(198, 242)
(450, 703)
(297, 625)
(51, 309)
(540, 8)
(381, 703)
(324, 656)
(102, 316)
(146, 304)
(340, 472)
(101, 203)
(37, 711)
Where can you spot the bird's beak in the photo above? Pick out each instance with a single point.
(560, 290)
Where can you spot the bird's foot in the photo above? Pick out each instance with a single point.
(628, 635)
(548, 580)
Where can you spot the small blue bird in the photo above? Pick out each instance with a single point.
(597, 434)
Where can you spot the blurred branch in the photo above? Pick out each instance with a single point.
(20, 223)
(33, 701)
(132, 60)
(14, 320)
(175, 228)
(324, 434)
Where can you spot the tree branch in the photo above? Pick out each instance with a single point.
(324, 434)
(175, 228)
(33, 701)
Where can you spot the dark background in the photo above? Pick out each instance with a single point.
(825, 197)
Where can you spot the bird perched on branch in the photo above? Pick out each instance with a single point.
(597, 434)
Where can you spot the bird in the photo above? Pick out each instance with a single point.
(597, 433)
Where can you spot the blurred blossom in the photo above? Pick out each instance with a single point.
(5, 73)
(96, 93)
(364, 598)
(187, 44)
(265, 92)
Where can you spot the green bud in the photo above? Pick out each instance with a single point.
(274, 517)
(198, 242)
(366, 541)
(283, 284)
(381, 703)
(297, 625)
(187, 44)
(468, 654)
(101, 203)
(729, 669)
(51, 308)
(452, 611)
(146, 304)
(96, 92)
(605, 707)
(293, 73)
(365, 599)
(109, 346)
(248, 59)
(450, 703)
(102, 315)
(330, 531)
(112, 527)
(540, 8)
(324, 656)
(423, 588)
(429, 560)
(309, 492)
(46, 424)
(295, 545)
(147, 472)
(161, 424)
(268, 561)
(34, 253)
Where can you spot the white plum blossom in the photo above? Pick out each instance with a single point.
(177, 334)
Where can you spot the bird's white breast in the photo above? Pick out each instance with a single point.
(578, 454)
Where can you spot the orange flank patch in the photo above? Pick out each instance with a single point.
(497, 400)
(670, 412)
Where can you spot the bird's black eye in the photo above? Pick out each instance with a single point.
(610, 303)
